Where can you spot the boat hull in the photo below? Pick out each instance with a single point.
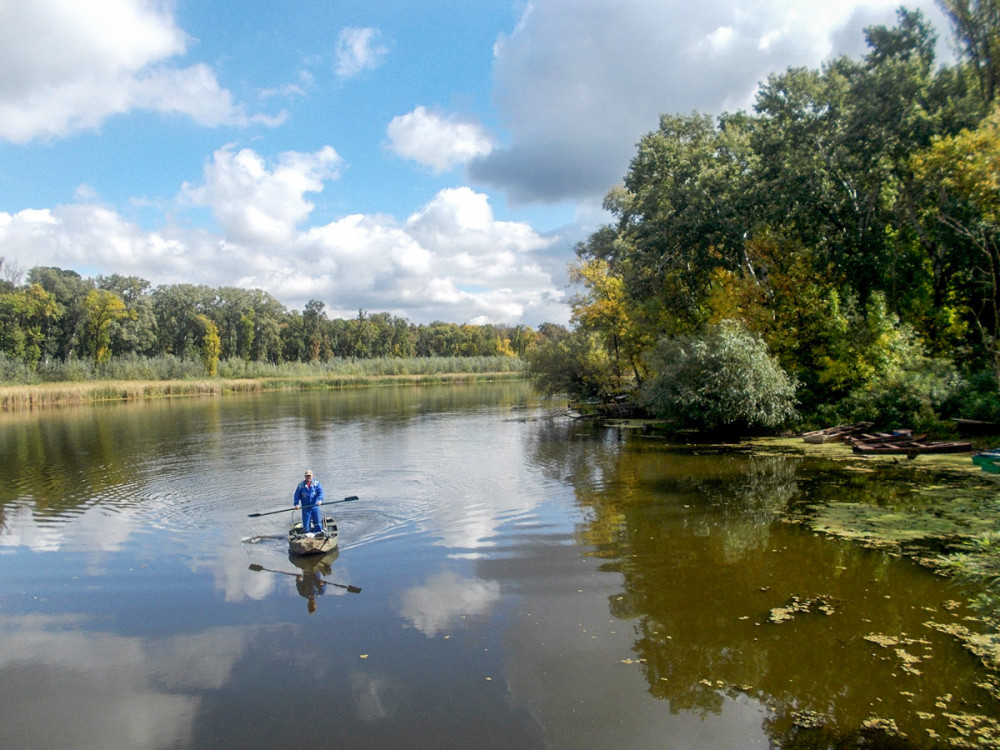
(312, 543)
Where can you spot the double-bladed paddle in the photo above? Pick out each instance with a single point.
(257, 568)
(283, 510)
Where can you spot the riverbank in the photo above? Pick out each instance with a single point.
(52, 395)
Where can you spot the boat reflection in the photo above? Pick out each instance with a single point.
(309, 581)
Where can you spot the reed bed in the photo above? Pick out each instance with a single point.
(47, 395)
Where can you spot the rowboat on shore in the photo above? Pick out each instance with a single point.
(908, 446)
(312, 542)
(836, 434)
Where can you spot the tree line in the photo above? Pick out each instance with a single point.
(56, 314)
(833, 253)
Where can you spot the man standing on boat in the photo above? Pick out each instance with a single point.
(310, 495)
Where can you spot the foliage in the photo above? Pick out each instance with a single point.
(210, 346)
(851, 222)
(724, 379)
(576, 365)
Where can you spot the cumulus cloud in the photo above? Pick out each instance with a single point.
(450, 260)
(67, 66)
(437, 141)
(577, 85)
(258, 205)
(358, 50)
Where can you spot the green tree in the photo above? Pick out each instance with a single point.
(210, 345)
(65, 333)
(134, 333)
(103, 308)
(576, 365)
(25, 313)
(976, 27)
(960, 207)
(723, 380)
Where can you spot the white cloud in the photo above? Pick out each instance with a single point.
(451, 260)
(577, 85)
(67, 66)
(358, 50)
(435, 141)
(258, 205)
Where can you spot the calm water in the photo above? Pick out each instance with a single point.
(527, 581)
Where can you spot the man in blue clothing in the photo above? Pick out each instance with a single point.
(310, 495)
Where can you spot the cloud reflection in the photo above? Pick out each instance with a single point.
(445, 598)
(49, 668)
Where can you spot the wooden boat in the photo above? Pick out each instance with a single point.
(908, 446)
(835, 434)
(313, 542)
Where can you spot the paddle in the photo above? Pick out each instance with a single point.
(257, 568)
(283, 510)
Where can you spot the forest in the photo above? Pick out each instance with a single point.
(831, 255)
(54, 316)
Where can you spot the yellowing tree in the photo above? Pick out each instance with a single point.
(102, 308)
(211, 345)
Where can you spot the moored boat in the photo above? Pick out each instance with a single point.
(988, 461)
(312, 542)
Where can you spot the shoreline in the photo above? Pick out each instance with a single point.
(21, 398)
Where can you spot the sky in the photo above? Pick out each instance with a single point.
(433, 159)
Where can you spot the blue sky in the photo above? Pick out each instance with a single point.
(435, 159)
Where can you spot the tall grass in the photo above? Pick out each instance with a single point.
(129, 378)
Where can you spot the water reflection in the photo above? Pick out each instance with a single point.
(67, 684)
(528, 578)
(697, 536)
(435, 606)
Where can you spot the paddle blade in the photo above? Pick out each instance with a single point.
(256, 568)
(354, 589)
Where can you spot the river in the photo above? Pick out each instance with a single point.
(527, 580)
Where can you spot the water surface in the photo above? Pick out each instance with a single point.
(526, 581)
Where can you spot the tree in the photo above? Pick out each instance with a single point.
(960, 181)
(210, 346)
(103, 308)
(576, 365)
(976, 26)
(24, 316)
(136, 332)
(604, 309)
(66, 333)
(724, 379)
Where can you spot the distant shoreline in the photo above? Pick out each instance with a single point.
(51, 395)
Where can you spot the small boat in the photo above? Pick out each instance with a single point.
(988, 461)
(910, 447)
(835, 434)
(312, 542)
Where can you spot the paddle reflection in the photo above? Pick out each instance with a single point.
(309, 582)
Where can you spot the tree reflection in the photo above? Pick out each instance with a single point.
(696, 533)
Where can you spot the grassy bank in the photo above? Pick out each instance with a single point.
(257, 378)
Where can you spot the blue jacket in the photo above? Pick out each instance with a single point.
(308, 495)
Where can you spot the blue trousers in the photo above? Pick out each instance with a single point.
(311, 520)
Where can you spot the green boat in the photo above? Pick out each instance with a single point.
(988, 461)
